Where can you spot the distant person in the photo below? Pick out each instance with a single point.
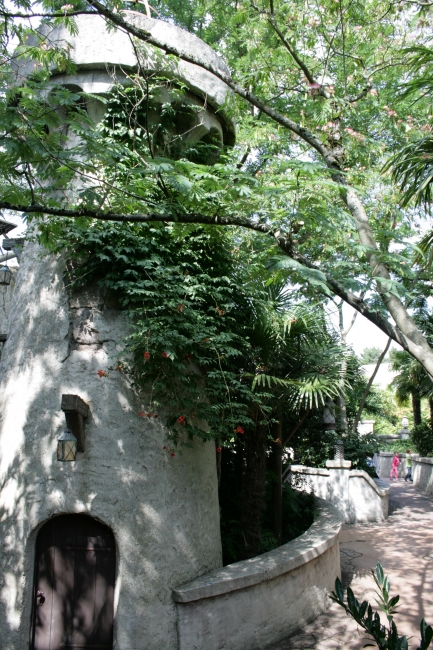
(409, 466)
(394, 466)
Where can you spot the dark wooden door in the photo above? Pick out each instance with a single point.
(74, 585)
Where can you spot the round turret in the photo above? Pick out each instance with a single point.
(93, 547)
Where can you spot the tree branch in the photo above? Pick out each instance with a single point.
(146, 37)
(63, 14)
(297, 58)
(281, 240)
(369, 385)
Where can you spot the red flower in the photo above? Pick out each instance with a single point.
(140, 414)
(165, 355)
(146, 356)
(119, 368)
(181, 419)
(148, 414)
(172, 454)
(155, 415)
(219, 449)
(102, 373)
(239, 430)
(165, 447)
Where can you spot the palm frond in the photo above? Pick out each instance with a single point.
(412, 170)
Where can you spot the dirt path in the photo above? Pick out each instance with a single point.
(404, 547)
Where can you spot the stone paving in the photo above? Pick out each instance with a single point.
(404, 547)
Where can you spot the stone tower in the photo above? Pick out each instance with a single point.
(160, 513)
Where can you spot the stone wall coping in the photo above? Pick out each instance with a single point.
(339, 464)
(321, 535)
(424, 459)
(360, 473)
(303, 469)
(400, 454)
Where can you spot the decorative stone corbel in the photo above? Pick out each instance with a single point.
(75, 410)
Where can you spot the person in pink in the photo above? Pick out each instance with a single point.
(394, 467)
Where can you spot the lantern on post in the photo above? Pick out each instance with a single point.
(5, 276)
(329, 415)
(66, 446)
(339, 450)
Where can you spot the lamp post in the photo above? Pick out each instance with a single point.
(329, 415)
(329, 425)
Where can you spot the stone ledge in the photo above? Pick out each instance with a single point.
(424, 459)
(303, 469)
(339, 464)
(315, 541)
(382, 492)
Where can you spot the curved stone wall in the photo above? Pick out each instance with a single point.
(422, 473)
(254, 603)
(354, 493)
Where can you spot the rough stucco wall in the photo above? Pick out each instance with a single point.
(366, 504)
(422, 472)
(163, 511)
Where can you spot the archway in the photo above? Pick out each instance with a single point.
(74, 585)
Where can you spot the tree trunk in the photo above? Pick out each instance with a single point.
(430, 403)
(417, 344)
(277, 486)
(416, 407)
(369, 385)
(253, 490)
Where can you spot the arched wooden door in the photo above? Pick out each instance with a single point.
(74, 585)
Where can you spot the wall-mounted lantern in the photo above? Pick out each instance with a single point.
(72, 439)
(5, 276)
(405, 423)
(66, 446)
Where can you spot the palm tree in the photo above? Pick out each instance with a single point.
(412, 382)
(297, 364)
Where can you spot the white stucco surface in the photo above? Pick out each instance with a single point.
(385, 464)
(163, 510)
(5, 302)
(353, 492)
(254, 603)
(422, 472)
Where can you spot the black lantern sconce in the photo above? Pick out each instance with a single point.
(5, 276)
(72, 439)
(66, 446)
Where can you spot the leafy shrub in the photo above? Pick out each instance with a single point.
(297, 512)
(384, 637)
(422, 437)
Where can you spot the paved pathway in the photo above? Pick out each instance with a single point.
(404, 547)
